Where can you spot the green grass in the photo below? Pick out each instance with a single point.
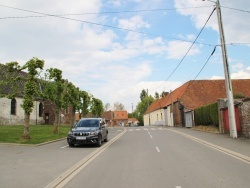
(38, 133)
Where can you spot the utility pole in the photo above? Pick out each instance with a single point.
(132, 110)
(228, 82)
(172, 104)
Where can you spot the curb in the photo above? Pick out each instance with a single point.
(34, 145)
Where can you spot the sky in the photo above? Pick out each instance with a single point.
(114, 49)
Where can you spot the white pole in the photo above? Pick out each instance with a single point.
(228, 82)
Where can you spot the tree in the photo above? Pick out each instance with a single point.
(141, 108)
(72, 98)
(143, 94)
(30, 90)
(85, 103)
(55, 92)
(107, 107)
(163, 94)
(157, 95)
(118, 106)
(96, 107)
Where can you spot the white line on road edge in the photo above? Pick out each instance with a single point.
(65, 146)
(158, 150)
(64, 178)
(236, 155)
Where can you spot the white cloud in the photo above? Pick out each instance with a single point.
(134, 23)
(231, 18)
(177, 49)
(241, 74)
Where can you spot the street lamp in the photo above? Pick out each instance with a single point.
(228, 82)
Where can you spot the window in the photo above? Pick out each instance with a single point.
(40, 109)
(13, 107)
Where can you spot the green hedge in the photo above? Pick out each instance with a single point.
(207, 115)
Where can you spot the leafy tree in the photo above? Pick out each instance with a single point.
(72, 98)
(143, 94)
(84, 103)
(96, 107)
(157, 95)
(118, 106)
(30, 90)
(55, 92)
(142, 107)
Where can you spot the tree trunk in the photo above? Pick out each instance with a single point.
(26, 133)
(73, 118)
(57, 121)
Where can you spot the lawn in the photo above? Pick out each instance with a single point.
(38, 133)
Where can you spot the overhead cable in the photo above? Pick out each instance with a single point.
(206, 62)
(104, 25)
(188, 49)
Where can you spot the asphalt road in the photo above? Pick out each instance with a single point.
(140, 157)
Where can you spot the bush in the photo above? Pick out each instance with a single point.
(207, 115)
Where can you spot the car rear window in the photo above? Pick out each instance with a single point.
(88, 123)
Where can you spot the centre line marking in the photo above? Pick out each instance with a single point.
(158, 150)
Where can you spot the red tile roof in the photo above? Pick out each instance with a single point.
(196, 93)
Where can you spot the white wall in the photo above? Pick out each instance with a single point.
(156, 118)
(7, 119)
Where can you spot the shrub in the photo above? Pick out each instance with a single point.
(207, 115)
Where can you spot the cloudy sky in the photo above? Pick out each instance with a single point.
(115, 48)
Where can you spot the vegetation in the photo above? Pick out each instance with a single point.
(14, 82)
(142, 106)
(96, 107)
(30, 88)
(207, 115)
(40, 134)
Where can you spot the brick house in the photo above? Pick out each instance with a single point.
(115, 118)
(176, 108)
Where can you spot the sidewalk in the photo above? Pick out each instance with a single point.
(239, 145)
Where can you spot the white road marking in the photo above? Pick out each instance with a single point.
(69, 174)
(158, 150)
(130, 130)
(150, 136)
(138, 129)
(177, 186)
(65, 146)
(119, 130)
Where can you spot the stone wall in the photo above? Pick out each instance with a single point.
(245, 118)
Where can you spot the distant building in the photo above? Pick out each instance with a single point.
(115, 118)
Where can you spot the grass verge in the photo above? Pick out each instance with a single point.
(38, 133)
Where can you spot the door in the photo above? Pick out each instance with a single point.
(188, 119)
(47, 118)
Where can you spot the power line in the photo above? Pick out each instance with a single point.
(108, 12)
(104, 25)
(189, 48)
(246, 11)
(206, 62)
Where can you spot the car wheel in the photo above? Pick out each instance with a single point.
(71, 145)
(106, 139)
(99, 141)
